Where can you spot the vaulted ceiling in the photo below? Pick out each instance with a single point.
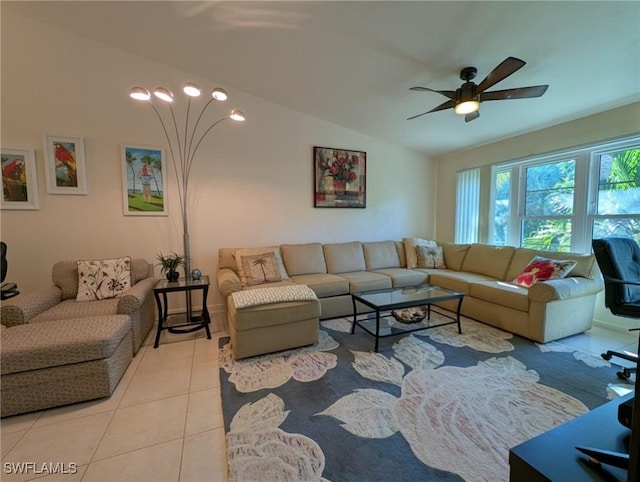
(352, 63)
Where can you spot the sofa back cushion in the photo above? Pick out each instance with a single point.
(454, 255)
(381, 254)
(488, 260)
(344, 257)
(520, 260)
(585, 267)
(302, 259)
(65, 275)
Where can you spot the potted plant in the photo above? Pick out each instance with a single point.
(169, 265)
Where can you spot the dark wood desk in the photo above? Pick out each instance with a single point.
(553, 456)
(187, 321)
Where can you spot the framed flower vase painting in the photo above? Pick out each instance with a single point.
(145, 181)
(64, 165)
(19, 179)
(339, 178)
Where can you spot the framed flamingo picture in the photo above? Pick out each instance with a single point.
(340, 178)
(19, 181)
(64, 165)
(145, 181)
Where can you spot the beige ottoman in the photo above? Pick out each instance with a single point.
(54, 363)
(271, 327)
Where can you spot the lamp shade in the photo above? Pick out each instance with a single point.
(163, 94)
(467, 107)
(219, 94)
(237, 115)
(191, 89)
(139, 93)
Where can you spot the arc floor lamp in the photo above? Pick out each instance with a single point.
(184, 141)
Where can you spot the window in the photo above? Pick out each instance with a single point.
(561, 201)
(467, 206)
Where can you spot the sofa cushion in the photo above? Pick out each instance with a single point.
(585, 263)
(344, 257)
(401, 277)
(454, 255)
(324, 284)
(381, 254)
(410, 245)
(74, 309)
(303, 258)
(272, 314)
(430, 257)
(521, 258)
(501, 293)
(542, 269)
(62, 342)
(456, 280)
(489, 260)
(103, 278)
(366, 281)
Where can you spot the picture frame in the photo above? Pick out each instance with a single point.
(19, 179)
(144, 178)
(339, 178)
(64, 165)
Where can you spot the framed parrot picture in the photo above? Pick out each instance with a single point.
(64, 165)
(19, 181)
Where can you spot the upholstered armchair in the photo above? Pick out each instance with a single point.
(58, 301)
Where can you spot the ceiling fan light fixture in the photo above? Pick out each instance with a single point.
(467, 107)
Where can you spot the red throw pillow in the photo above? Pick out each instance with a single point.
(542, 269)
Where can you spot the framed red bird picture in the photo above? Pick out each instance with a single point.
(64, 165)
(19, 179)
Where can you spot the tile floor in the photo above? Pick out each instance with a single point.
(163, 422)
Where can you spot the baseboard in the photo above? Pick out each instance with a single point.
(611, 326)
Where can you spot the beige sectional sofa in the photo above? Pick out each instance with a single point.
(55, 350)
(545, 312)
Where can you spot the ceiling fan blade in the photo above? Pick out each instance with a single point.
(445, 105)
(518, 93)
(451, 94)
(471, 116)
(502, 71)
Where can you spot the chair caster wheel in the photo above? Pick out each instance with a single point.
(623, 375)
(606, 356)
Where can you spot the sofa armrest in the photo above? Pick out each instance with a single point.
(132, 299)
(562, 289)
(23, 308)
(228, 282)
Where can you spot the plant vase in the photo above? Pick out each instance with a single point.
(173, 276)
(339, 187)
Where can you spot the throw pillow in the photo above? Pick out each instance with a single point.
(542, 269)
(248, 278)
(260, 268)
(429, 257)
(410, 245)
(103, 279)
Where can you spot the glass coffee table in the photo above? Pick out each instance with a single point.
(399, 298)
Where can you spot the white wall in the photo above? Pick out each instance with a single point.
(615, 123)
(252, 183)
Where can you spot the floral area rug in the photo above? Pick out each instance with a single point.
(431, 405)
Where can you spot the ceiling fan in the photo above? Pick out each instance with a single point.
(466, 100)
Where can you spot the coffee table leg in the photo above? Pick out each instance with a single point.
(458, 315)
(377, 330)
(355, 314)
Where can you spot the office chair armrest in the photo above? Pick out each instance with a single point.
(621, 281)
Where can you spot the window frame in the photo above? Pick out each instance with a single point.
(585, 196)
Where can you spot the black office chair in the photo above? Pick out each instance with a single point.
(619, 261)
(7, 290)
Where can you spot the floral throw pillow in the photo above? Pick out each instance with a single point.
(430, 257)
(542, 269)
(103, 279)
